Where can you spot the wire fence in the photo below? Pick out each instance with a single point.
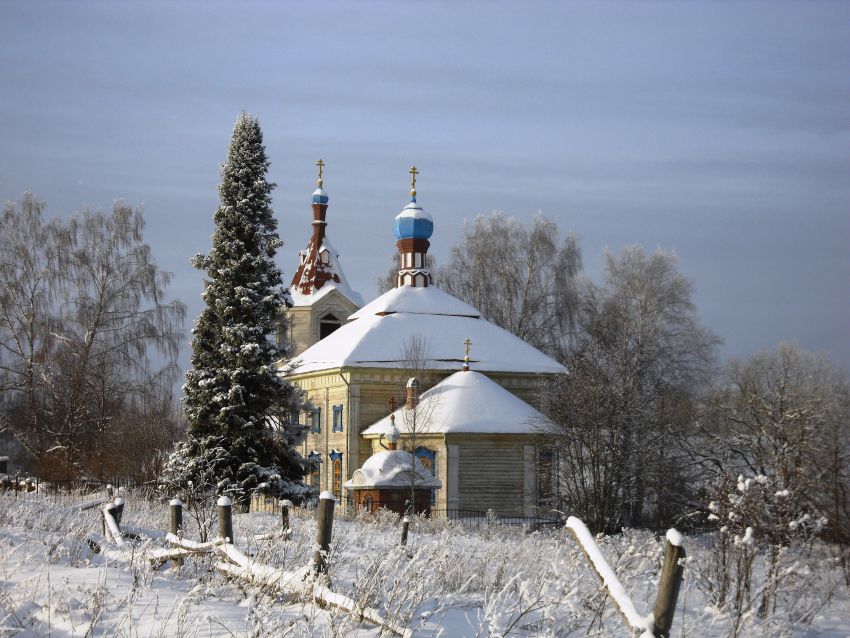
(479, 518)
(471, 517)
(73, 491)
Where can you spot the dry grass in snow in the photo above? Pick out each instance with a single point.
(449, 581)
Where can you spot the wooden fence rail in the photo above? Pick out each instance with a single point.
(657, 624)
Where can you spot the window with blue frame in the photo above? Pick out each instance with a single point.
(337, 427)
(316, 422)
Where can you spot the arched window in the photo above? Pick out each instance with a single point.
(336, 473)
(328, 324)
(316, 458)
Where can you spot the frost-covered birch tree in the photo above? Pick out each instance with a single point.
(417, 420)
(628, 401)
(88, 343)
(242, 414)
(522, 279)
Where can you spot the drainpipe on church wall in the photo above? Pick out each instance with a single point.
(327, 460)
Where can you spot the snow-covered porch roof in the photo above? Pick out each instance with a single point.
(465, 402)
(392, 469)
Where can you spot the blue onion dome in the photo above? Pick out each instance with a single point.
(320, 196)
(413, 222)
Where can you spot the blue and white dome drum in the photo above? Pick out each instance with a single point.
(413, 223)
(320, 196)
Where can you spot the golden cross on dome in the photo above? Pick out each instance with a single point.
(321, 165)
(467, 343)
(391, 403)
(413, 173)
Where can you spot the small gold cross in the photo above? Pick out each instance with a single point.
(413, 173)
(321, 165)
(467, 343)
(391, 403)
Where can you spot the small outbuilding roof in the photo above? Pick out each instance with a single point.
(465, 402)
(392, 468)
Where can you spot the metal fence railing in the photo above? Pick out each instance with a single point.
(476, 517)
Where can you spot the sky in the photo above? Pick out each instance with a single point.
(718, 130)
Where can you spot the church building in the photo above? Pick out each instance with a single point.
(471, 423)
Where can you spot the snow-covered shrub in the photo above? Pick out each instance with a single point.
(762, 549)
(191, 473)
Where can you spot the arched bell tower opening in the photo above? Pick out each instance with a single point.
(329, 324)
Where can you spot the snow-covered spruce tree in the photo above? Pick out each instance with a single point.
(241, 413)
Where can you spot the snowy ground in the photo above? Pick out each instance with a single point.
(449, 582)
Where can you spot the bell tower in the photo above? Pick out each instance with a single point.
(322, 300)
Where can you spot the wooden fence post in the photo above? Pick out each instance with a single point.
(225, 519)
(285, 504)
(405, 522)
(176, 507)
(405, 525)
(323, 537)
(119, 509)
(669, 584)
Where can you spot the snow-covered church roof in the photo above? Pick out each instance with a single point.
(420, 301)
(378, 333)
(335, 281)
(392, 468)
(465, 402)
